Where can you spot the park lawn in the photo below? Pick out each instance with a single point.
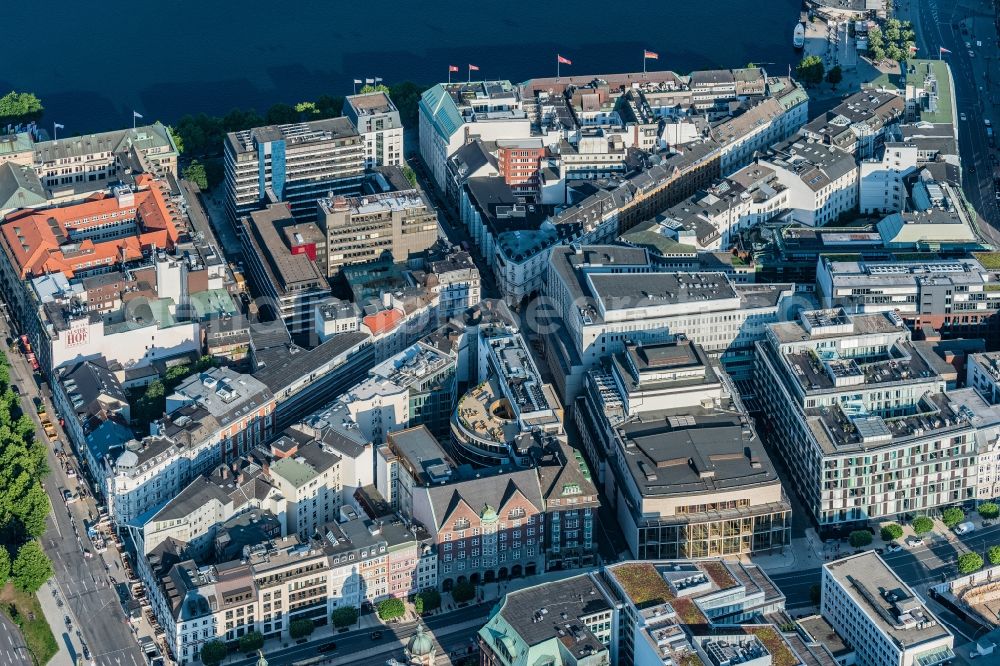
(27, 614)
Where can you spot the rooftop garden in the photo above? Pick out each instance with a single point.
(643, 584)
(719, 574)
(989, 260)
(781, 655)
(688, 611)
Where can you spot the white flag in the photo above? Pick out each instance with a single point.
(369, 81)
(136, 114)
(58, 126)
(358, 81)
(377, 79)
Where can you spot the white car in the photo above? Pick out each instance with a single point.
(961, 117)
(893, 547)
(914, 541)
(971, 54)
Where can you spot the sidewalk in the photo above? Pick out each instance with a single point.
(54, 616)
(803, 553)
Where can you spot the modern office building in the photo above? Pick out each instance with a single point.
(497, 421)
(956, 297)
(363, 229)
(284, 264)
(860, 415)
(880, 616)
(376, 119)
(295, 164)
(608, 295)
(674, 448)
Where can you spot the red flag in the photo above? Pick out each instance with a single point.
(563, 61)
(452, 68)
(473, 68)
(651, 55)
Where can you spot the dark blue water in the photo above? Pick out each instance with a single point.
(93, 62)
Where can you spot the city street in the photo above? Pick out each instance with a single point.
(455, 632)
(939, 23)
(13, 651)
(81, 583)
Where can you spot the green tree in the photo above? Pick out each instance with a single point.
(462, 592)
(307, 109)
(810, 70)
(251, 642)
(411, 175)
(19, 107)
(301, 628)
(391, 609)
(344, 616)
(891, 532)
(418, 605)
(989, 510)
(213, 652)
(365, 90)
(330, 106)
(430, 600)
(32, 510)
(751, 65)
(406, 97)
(281, 114)
(969, 562)
(31, 568)
(195, 172)
(993, 555)
(177, 138)
(860, 538)
(922, 525)
(952, 516)
(875, 37)
(835, 76)
(4, 566)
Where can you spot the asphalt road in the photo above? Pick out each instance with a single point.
(916, 566)
(13, 651)
(81, 583)
(937, 23)
(393, 640)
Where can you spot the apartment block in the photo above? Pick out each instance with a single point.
(822, 180)
(861, 416)
(294, 164)
(377, 120)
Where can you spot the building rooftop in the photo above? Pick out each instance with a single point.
(225, 394)
(385, 202)
(423, 455)
(373, 103)
(693, 450)
(556, 611)
(287, 272)
(292, 134)
(885, 599)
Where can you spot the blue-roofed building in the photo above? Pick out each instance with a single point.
(107, 438)
(452, 114)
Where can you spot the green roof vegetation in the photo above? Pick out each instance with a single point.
(293, 471)
(989, 260)
(643, 584)
(917, 73)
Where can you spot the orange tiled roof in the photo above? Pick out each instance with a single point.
(383, 321)
(32, 237)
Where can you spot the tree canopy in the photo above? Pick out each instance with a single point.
(810, 70)
(922, 525)
(891, 531)
(213, 652)
(969, 563)
(952, 516)
(19, 107)
(31, 568)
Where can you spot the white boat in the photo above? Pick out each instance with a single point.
(799, 36)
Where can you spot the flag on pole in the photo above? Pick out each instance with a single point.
(136, 114)
(452, 68)
(913, 49)
(58, 126)
(943, 49)
(358, 82)
(651, 55)
(378, 79)
(473, 68)
(563, 61)
(370, 81)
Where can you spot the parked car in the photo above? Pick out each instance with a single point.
(69, 497)
(375, 635)
(893, 547)
(961, 117)
(328, 647)
(914, 541)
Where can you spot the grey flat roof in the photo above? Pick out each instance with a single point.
(694, 450)
(575, 597)
(276, 377)
(884, 597)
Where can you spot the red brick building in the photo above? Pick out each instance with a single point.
(519, 163)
